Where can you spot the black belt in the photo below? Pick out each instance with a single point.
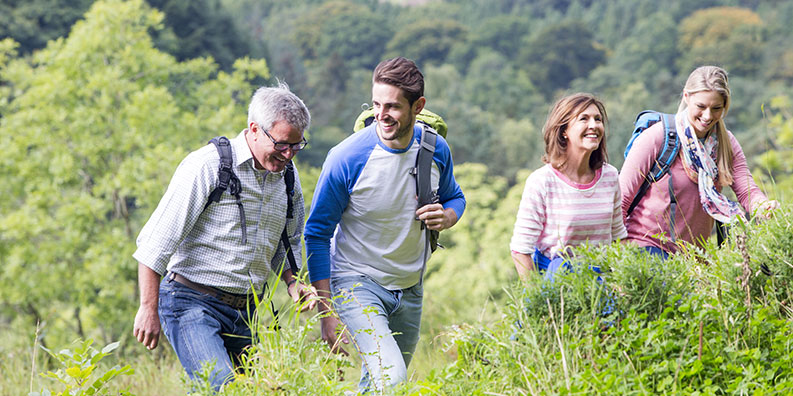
(236, 301)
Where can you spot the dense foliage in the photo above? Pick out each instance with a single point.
(100, 101)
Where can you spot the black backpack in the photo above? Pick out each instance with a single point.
(228, 180)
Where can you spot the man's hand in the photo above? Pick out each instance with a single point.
(304, 296)
(436, 217)
(147, 322)
(147, 327)
(334, 334)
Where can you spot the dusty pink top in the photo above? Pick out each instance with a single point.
(650, 218)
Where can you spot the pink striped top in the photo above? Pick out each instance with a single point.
(556, 212)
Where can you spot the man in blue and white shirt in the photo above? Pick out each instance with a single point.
(209, 271)
(364, 239)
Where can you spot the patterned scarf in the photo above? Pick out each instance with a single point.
(699, 161)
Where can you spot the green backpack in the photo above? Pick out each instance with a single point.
(427, 117)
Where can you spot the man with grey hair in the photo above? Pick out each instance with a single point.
(201, 261)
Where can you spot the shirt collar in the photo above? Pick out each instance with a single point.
(241, 149)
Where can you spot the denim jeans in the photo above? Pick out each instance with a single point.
(203, 330)
(384, 325)
(656, 252)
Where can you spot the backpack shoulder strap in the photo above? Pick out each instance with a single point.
(289, 180)
(227, 180)
(424, 165)
(423, 173)
(663, 162)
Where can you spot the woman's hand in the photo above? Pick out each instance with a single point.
(765, 209)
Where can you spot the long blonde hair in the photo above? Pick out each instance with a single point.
(714, 78)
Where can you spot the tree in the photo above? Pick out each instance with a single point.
(427, 40)
(94, 127)
(201, 28)
(559, 54)
(731, 37)
(493, 84)
(32, 23)
(349, 31)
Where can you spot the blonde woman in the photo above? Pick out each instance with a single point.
(681, 206)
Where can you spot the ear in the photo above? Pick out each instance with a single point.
(418, 105)
(252, 127)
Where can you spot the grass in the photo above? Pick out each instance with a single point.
(710, 321)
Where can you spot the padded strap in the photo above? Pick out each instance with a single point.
(228, 180)
(672, 210)
(289, 180)
(664, 161)
(424, 166)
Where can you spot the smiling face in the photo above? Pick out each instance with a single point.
(705, 108)
(264, 153)
(585, 131)
(395, 116)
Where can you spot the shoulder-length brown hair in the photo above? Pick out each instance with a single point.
(562, 113)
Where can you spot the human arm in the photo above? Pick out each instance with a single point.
(618, 230)
(146, 328)
(299, 291)
(331, 196)
(330, 329)
(436, 217)
(529, 223)
(523, 263)
(446, 213)
(177, 212)
(746, 190)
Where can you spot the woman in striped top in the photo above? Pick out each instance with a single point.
(575, 197)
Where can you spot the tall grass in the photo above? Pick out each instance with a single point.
(710, 321)
(715, 320)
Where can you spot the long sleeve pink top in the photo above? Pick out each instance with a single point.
(648, 224)
(556, 212)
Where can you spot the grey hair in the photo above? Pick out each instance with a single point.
(272, 104)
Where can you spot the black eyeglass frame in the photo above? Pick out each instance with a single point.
(283, 146)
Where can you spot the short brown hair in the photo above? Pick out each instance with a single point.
(403, 74)
(562, 112)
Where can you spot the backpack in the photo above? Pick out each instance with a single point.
(228, 180)
(425, 116)
(433, 125)
(663, 162)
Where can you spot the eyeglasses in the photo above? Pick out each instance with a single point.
(283, 146)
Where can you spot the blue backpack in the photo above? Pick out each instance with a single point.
(663, 162)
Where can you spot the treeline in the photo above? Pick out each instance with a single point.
(494, 67)
(97, 109)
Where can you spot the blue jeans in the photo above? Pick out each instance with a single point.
(203, 330)
(656, 252)
(384, 325)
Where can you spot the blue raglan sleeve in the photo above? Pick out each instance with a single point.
(339, 173)
(330, 199)
(449, 192)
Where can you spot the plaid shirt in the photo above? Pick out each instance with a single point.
(205, 246)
